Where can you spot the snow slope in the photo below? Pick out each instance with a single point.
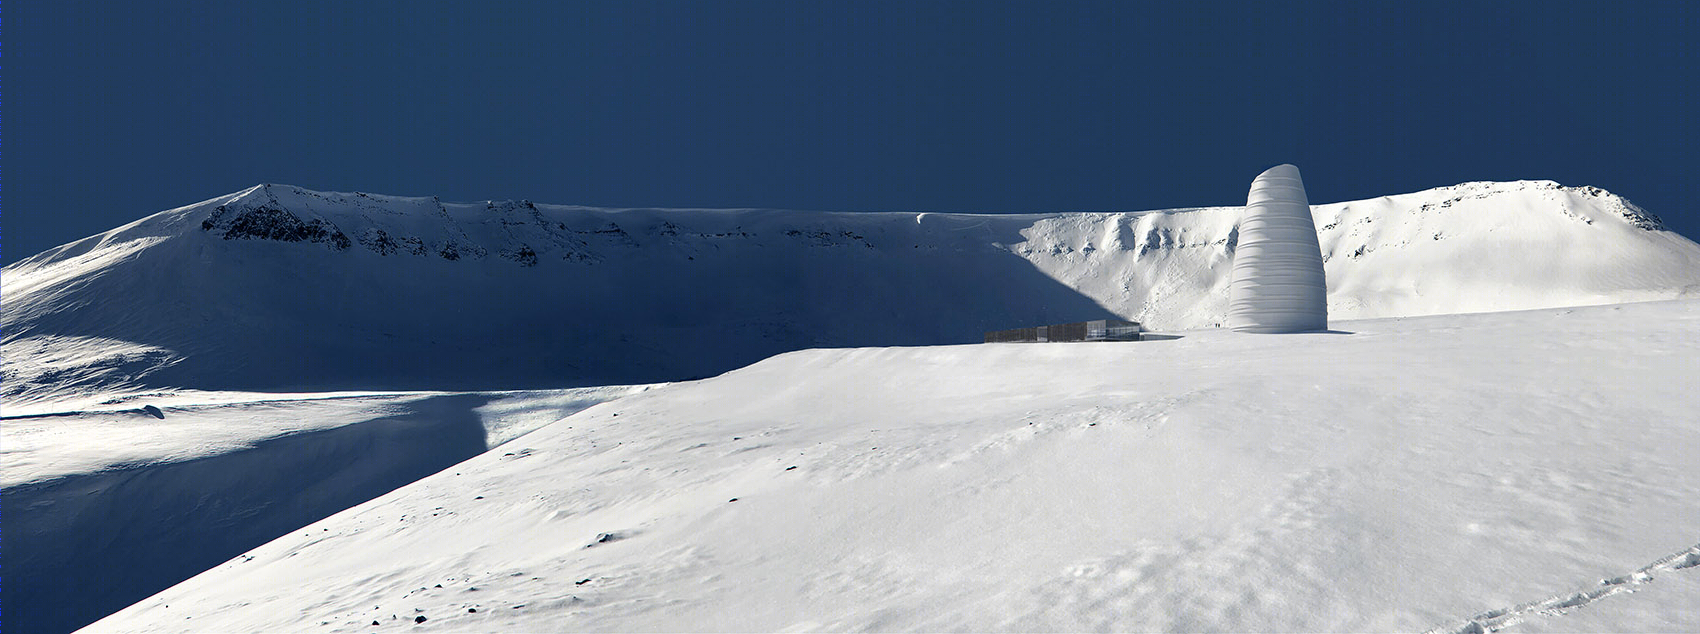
(1464, 473)
(278, 288)
(107, 506)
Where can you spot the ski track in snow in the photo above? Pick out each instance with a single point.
(1561, 604)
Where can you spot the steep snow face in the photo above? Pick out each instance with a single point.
(1460, 472)
(281, 288)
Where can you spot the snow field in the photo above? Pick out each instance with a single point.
(1405, 475)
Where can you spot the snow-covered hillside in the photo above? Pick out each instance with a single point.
(127, 353)
(1465, 473)
(280, 288)
(107, 506)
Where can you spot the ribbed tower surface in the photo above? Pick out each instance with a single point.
(1278, 283)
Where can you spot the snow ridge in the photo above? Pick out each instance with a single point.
(282, 288)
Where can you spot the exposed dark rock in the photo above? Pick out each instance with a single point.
(603, 538)
(271, 222)
(610, 232)
(413, 245)
(379, 241)
(523, 255)
(1641, 218)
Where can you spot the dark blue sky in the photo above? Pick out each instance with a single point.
(120, 109)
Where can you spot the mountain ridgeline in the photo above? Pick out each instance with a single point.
(282, 288)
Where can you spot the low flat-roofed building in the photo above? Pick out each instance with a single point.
(1095, 330)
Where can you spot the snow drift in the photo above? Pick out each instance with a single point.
(280, 288)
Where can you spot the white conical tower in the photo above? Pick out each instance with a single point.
(1278, 281)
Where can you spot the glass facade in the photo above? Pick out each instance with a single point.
(1095, 330)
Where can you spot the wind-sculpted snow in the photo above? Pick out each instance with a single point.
(1465, 473)
(281, 288)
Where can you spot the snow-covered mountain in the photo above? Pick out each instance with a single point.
(137, 464)
(1467, 473)
(281, 288)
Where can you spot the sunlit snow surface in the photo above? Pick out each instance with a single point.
(1464, 473)
(117, 432)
